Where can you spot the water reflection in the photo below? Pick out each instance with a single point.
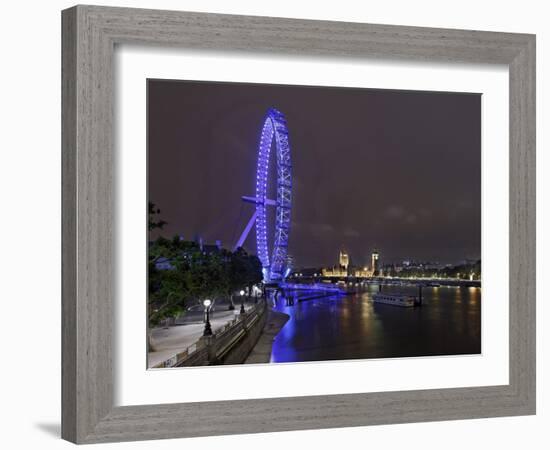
(353, 327)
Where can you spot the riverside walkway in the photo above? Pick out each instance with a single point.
(169, 341)
(261, 353)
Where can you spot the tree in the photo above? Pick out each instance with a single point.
(206, 276)
(254, 272)
(188, 276)
(246, 270)
(153, 221)
(168, 294)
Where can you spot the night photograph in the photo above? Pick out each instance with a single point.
(293, 224)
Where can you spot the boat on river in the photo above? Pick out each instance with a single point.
(395, 299)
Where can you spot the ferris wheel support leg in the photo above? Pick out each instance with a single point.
(245, 232)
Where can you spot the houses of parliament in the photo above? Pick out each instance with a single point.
(344, 269)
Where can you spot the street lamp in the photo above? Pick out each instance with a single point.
(242, 301)
(207, 326)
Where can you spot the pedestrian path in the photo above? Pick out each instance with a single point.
(170, 341)
(261, 353)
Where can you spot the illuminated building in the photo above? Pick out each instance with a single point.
(375, 263)
(341, 270)
(344, 260)
(344, 269)
(336, 272)
(365, 272)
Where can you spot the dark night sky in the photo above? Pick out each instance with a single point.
(395, 170)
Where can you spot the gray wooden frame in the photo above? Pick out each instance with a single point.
(89, 36)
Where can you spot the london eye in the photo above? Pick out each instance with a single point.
(274, 130)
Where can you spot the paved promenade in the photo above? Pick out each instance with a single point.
(169, 341)
(261, 353)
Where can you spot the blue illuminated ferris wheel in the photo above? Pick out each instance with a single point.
(274, 129)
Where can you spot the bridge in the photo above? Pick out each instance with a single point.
(309, 291)
(425, 282)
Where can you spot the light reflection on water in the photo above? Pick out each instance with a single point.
(353, 327)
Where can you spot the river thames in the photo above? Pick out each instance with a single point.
(353, 327)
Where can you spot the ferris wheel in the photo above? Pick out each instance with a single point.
(274, 130)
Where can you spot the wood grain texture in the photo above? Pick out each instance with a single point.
(68, 225)
(89, 36)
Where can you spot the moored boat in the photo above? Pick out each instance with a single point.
(394, 299)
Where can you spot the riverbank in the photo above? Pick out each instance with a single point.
(261, 353)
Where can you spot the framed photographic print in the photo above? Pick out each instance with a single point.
(285, 203)
(363, 215)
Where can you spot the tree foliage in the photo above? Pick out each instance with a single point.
(189, 275)
(461, 271)
(153, 221)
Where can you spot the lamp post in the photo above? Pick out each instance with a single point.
(207, 326)
(242, 301)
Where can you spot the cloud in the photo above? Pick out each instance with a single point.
(394, 212)
(398, 212)
(425, 212)
(350, 232)
(319, 229)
